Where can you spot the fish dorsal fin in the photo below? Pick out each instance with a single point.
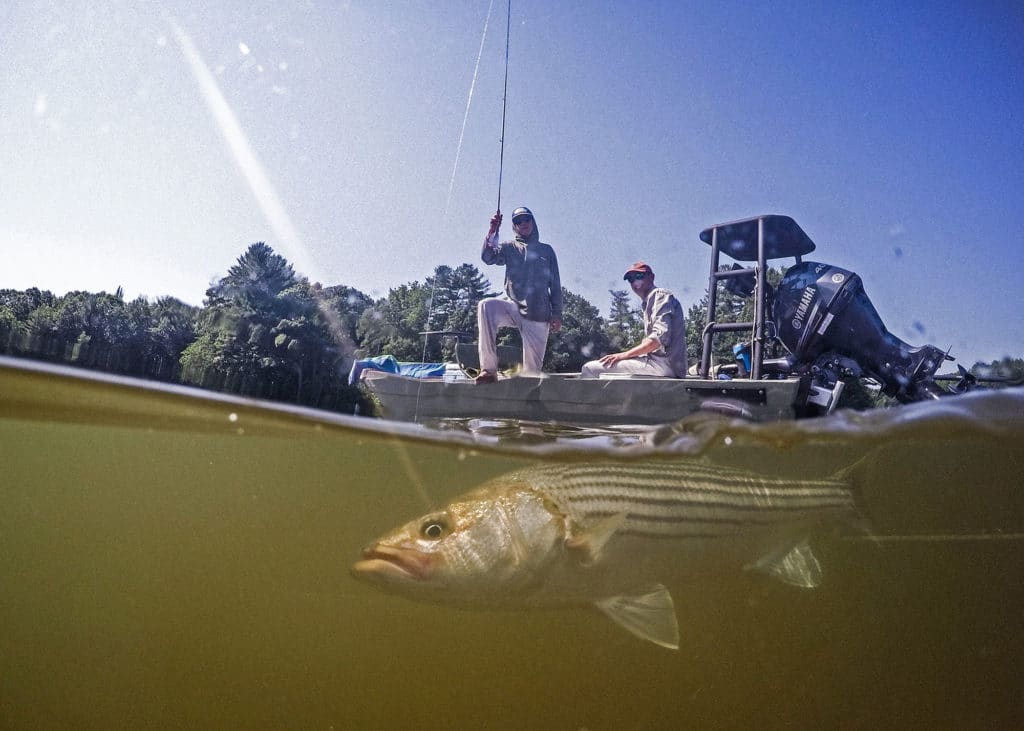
(798, 567)
(587, 545)
(650, 616)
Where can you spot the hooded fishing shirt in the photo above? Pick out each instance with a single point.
(531, 275)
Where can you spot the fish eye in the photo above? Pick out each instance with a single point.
(433, 529)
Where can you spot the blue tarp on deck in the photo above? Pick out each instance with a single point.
(390, 365)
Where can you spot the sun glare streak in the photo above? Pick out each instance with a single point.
(263, 190)
(291, 244)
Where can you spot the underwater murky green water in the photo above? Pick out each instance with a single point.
(171, 559)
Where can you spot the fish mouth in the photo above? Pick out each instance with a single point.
(388, 563)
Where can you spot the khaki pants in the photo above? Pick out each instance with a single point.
(495, 312)
(645, 365)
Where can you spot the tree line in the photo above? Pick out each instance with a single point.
(267, 332)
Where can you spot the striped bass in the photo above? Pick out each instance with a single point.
(608, 534)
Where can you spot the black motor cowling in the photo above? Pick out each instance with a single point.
(821, 310)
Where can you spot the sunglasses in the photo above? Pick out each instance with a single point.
(636, 276)
(517, 221)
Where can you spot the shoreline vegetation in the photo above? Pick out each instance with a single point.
(266, 332)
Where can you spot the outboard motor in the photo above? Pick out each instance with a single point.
(822, 315)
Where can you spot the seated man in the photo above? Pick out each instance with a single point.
(662, 352)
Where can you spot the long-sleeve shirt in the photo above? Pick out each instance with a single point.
(531, 276)
(664, 321)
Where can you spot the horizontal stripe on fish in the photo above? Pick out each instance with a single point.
(689, 495)
(685, 508)
(741, 483)
(689, 502)
(699, 494)
(697, 520)
(654, 470)
(698, 527)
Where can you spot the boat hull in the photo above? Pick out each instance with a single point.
(574, 400)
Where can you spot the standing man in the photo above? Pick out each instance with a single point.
(662, 352)
(532, 302)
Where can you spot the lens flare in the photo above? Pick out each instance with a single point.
(249, 164)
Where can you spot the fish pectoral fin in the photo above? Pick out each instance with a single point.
(650, 616)
(587, 545)
(799, 567)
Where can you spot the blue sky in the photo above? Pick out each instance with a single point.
(147, 145)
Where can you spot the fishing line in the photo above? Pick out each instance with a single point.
(458, 154)
(465, 117)
(402, 450)
(938, 537)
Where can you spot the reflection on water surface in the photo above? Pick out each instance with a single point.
(171, 559)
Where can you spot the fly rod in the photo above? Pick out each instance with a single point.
(504, 101)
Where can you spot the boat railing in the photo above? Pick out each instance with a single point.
(757, 240)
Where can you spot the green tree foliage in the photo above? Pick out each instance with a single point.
(342, 306)
(625, 326)
(582, 337)
(454, 295)
(1006, 372)
(255, 281)
(445, 302)
(15, 309)
(13, 332)
(21, 304)
(236, 350)
(392, 325)
(172, 328)
(265, 332)
(94, 330)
